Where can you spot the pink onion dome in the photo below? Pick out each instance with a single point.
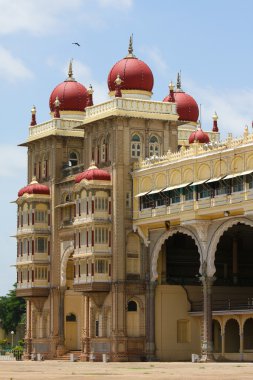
(34, 188)
(93, 174)
(135, 74)
(187, 107)
(71, 94)
(199, 136)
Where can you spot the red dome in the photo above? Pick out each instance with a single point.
(34, 188)
(93, 173)
(187, 107)
(199, 136)
(71, 94)
(135, 74)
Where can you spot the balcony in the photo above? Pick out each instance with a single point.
(32, 289)
(96, 283)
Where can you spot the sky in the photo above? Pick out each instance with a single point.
(209, 41)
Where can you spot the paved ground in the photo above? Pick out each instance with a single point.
(59, 370)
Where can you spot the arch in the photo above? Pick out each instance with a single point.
(232, 335)
(160, 181)
(215, 238)
(73, 158)
(220, 168)
(132, 306)
(175, 177)
(216, 335)
(248, 334)
(154, 146)
(161, 240)
(249, 161)
(136, 145)
(204, 171)
(64, 260)
(188, 175)
(146, 184)
(71, 317)
(237, 164)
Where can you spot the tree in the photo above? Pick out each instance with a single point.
(12, 309)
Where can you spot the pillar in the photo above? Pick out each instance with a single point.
(28, 336)
(223, 344)
(241, 346)
(86, 331)
(60, 346)
(207, 339)
(150, 320)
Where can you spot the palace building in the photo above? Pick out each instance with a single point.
(134, 231)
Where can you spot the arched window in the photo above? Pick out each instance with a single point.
(135, 146)
(154, 146)
(132, 306)
(73, 160)
(70, 317)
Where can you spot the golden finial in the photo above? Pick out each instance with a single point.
(215, 116)
(130, 48)
(57, 102)
(171, 86)
(118, 80)
(33, 110)
(90, 90)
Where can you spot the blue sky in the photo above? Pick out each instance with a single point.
(209, 41)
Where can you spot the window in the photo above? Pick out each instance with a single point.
(249, 180)
(237, 184)
(154, 146)
(188, 193)
(101, 204)
(132, 306)
(182, 331)
(40, 273)
(101, 266)
(101, 235)
(96, 328)
(128, 199)
(73, 160)
(135, 146)
(41, 245)
(40, 216)
(204, 191)
(175, 196)
(221, 188)
(70, 317)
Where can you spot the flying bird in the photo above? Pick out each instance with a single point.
(76, 43)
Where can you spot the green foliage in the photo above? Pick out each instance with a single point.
(12, 309)
(3, 343)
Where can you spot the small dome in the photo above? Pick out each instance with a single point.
(34, 188)
(93, 174)
(71, 94)
(135, 74)
(187, 107)
(199, 136)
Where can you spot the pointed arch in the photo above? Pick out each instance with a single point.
(64, 260)
(160, 242)
(215, 238)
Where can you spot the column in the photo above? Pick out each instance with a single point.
(28, 336)
(207, 339)
(86, 331)
(241, 346)
(150, 320)
(223, 337)
(60, 346)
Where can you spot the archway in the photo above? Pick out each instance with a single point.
(71, 331)
(248, 334)
(133, 319)
(232, 337)
(216, 336)
(177, 334)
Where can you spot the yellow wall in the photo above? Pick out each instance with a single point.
(172, 306)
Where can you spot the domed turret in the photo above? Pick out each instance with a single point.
(199, 136)
(137, 78)
(187, 107)
(71, 94)
(34, 188)
(93, 174)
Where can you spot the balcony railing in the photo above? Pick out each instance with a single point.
(225, 304)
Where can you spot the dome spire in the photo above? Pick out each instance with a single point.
(90, 96)
(118, 81)
(215, 123)
(179, 84)
(70, 72)
(130, 48)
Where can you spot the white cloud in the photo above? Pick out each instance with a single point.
(84, 75)
(118, 4)
(155, 55)
(14, 164)
(37, 17)
(233, 106)
(12, 68)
